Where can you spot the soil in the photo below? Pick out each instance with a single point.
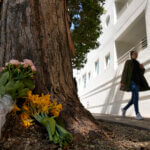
(112, 137)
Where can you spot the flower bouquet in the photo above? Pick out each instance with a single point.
(16, 79)
(42, 109)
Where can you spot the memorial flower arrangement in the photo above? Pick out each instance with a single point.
(17, 81)
(16, 78)
(42, 109)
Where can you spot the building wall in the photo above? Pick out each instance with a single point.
(101, 93)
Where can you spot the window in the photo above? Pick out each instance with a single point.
(107, 60)
(89, 75)
(97, 67)
(107, 20)
(86, 56)
(84, 80)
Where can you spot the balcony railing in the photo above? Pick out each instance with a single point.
(140, 46)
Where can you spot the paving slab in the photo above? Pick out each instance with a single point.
(128, 121)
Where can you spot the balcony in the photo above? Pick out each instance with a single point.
(133, 38)
(140, 46)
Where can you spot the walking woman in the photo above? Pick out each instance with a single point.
(133, 80)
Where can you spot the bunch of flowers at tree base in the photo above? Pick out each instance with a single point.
(16, 78)
(43, 110)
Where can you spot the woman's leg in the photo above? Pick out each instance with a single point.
(132, 98)
(136, 98)
(129, 103)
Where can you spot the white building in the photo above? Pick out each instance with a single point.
(126, 25)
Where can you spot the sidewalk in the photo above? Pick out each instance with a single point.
(128, 121)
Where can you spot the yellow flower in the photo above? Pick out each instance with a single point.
(27, 123)
(55, 112)
(59, 107)
(45, 109)
(15, 109)
(25, 107)
(24, 116)
(54, 102)
(36, 104)
(29, 93)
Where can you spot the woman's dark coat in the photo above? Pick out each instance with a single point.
(126, 77)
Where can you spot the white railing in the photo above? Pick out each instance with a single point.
(140, 46)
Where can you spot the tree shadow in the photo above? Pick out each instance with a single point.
(114, 94)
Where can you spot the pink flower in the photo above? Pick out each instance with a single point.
(33, 68)
(29, 62)
(6, 64)
(14, 62)
(2, 68)
(24, 65)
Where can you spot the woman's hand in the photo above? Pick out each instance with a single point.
(121, 84)
(141, 66)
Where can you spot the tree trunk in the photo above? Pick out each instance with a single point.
(37, 30)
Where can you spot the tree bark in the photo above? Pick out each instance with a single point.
(37, 30)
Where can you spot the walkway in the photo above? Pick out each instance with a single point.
(128, 121)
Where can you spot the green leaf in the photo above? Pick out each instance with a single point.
(3, 78)
(22, 93)
(18, 85)
(10, 86)
(29, 83)
(2, 90)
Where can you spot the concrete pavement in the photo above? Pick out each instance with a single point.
(128, 121)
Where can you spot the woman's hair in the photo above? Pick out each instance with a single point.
(131, 53)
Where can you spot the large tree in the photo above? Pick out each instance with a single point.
(39, 30)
